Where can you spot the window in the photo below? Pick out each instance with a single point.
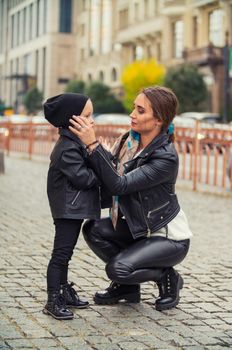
(106, 27)
(215, 27)
(156, 7)
(82, 29)
(30, 21)
(138, 54)
(136, 11)
(123, 19)
(146, 8)
(195, 31)
(101, 76)
(158, 51)
(90, 77)
(94, 27)
(114, 75)
(178, 39)
(65, 16)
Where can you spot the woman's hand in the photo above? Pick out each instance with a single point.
(82, 128)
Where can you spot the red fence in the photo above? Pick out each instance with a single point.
(205, 152)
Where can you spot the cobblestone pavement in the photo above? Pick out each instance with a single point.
(203, 319)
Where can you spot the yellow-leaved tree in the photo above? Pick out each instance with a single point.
(140, 74)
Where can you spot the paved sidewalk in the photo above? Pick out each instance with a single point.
(203, 319)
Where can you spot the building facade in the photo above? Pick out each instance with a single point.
(49, 42)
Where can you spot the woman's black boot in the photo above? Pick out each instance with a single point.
(56, 307)
(71, 297)
(116, 292)
(169, 288)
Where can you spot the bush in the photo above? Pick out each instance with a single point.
(138, 75)
(103, 100)
(77, 86)
(189, 86)
(33, 100)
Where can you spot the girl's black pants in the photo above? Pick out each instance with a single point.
(130, 261)
(66, 235)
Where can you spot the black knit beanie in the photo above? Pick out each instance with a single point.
(59, 109)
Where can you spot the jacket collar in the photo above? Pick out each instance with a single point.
(157, 142)
(70, 135)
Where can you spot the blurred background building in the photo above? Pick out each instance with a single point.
(50, 42)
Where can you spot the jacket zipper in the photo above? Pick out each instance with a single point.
(75, 198)
(154, 210)
(148, 229)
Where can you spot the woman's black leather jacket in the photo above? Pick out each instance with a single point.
(72, 186)
(146, 191)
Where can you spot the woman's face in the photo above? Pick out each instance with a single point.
(87, 111)
(142, 118)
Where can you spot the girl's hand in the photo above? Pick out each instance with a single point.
(105, 143)
(82, 128)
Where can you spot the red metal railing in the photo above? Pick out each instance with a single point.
(204, 152)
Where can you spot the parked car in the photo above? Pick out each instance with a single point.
(113, 119)
(188, 119)
(18, 118)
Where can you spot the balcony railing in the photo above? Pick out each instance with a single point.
(209, 55)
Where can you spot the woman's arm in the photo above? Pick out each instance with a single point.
(155, 172)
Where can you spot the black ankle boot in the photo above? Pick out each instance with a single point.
(56, 307)
(71, 297)
(169, 288)
(116, 292)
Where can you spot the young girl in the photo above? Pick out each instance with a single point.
(73, 195)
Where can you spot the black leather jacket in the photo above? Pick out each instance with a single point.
(72, 187)
(147, 189)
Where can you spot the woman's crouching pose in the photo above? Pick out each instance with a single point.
(147, 232)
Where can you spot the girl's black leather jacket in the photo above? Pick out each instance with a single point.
(146, 191)
(72, 186)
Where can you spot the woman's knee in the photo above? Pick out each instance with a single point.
(118, 271)
(89, 230)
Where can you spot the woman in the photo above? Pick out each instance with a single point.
(148, 233)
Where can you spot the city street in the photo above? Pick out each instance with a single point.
(202, 320)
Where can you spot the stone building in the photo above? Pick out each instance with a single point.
(52, 41)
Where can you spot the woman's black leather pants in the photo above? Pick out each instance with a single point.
(130, 261)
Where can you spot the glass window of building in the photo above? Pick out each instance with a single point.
(139, 54)
(114, 76)
(101, 76)
(156, 7)
(65, 16)
(136, 11)
(90, 77)
(178, 27)
(146, 8)
(94, 27)
(215, 27)
(106, 27)
(30, 21)
(195, 31)
(123, 19)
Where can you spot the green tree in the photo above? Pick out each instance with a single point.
(103, 100)
(189, 86)
(140, 74)
(77, 86)
(33, 100)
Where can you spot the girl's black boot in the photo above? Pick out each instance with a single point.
(169, 287)
(71, 297)
(56, 307)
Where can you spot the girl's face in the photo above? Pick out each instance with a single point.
(142, 117)
(87, 111)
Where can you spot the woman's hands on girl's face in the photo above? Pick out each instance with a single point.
(83, 128)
